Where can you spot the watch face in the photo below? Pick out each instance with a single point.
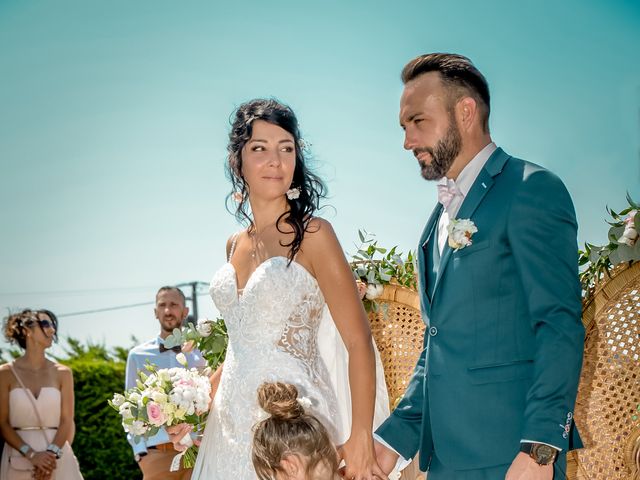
(544, 454)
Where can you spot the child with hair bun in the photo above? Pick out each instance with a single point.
(291, 444)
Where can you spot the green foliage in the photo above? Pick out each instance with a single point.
(100, 443)
(208, 336)
(375, 265)
(597, 261)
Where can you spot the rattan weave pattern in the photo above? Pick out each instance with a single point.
(398, 330)
(609, 392)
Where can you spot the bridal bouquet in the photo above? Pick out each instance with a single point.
(208, 336)
(163, 398)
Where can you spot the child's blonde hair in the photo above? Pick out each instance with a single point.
(288, 431)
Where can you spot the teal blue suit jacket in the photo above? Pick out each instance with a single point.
(504, 340)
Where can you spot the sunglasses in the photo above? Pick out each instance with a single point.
(42, 323)
(46, 324)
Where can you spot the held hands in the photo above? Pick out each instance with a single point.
(360, 459)
(177, 432)
(386, 457)
(525, 468)
(44, 463)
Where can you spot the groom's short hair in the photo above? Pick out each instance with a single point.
(171, 288)
(458, 74)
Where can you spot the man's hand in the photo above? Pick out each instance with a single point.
(525, 468)
(387, 458)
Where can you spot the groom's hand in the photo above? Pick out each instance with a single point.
(387, 458)
(525, 468)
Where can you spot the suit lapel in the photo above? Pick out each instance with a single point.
(427, 236)
(479, 189)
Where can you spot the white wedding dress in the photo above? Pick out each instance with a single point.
(279, 330)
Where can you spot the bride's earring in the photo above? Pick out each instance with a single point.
(237, 196)
(293, 193)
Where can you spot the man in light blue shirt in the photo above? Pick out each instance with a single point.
(154, 455)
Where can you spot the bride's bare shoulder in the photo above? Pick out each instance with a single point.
(319, 235)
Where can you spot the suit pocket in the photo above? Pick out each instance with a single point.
(501, 372)
(473, 248)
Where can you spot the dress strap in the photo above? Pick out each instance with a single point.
(32, 398)
(233, 245)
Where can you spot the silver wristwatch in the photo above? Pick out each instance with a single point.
(56, 450)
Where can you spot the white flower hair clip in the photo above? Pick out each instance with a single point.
(304, 402)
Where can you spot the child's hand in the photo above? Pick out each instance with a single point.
(360, 459)
(177, 432)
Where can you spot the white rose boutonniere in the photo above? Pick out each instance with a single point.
(460, 233)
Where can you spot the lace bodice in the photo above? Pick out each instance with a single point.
(273, 336)
(280, 307)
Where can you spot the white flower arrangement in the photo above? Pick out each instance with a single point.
(597, 261)
(163, 398)
(460, 233)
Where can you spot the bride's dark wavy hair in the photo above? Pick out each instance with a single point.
(312, 188)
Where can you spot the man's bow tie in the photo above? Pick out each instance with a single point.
(447, 190)
(176, 349)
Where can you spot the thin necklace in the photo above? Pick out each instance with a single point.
(256, 238)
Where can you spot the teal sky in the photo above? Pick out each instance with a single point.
(114, 119)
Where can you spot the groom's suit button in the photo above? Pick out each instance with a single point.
(433, 331)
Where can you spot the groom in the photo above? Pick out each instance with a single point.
(493, 392)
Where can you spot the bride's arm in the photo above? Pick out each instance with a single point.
(214, 379)
(323, 251)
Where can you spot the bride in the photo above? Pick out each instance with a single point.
(285, 275)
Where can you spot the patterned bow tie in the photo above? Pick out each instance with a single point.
(176, 349)
(447, 191)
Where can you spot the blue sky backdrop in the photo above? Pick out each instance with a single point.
(114, 119)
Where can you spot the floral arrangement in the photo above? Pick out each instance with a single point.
(162, 398)
(374, 266)
(623, 247)
(460, 232)
(208, 336)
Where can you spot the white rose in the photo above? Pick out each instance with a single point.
(125, 411)
(163, 375)
(137, 428)
(204, 327)
(460, 232)
(182, 360)
(373, 291)
(159, 397)
(118, 399)
(135, 397)
(629, 236)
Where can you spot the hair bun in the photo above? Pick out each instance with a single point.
(280, 400)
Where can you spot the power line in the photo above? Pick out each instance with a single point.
(80, 291)
(108, 309)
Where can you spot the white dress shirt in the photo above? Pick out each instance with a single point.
(464, 182)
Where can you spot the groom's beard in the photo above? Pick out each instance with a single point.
(443, 154)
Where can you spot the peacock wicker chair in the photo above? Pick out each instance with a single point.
(398, 330)
(606, 410)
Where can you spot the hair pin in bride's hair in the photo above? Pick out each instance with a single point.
(304, 145)
(304, 402)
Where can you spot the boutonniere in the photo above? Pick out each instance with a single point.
(460, 233)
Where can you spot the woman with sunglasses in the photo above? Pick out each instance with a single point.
(36, 404)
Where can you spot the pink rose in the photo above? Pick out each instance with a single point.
(362, 288)
(188, 346)
(629, 221)
(154, 412)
